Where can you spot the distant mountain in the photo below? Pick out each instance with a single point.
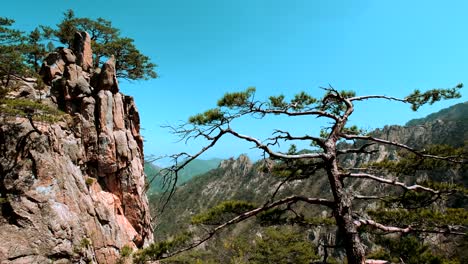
(197, 167)
(456, 112)
(193, 169)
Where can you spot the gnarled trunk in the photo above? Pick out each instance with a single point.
(343, 215)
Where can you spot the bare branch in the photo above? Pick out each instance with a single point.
(277, 189)
(176, 168)
(360, 150)
(391, 182)
(287, 136)
(362, 98)
(272, 153)
(388, 229)
(367, 197)
(405, 230)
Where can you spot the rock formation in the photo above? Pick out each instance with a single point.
(73, 191)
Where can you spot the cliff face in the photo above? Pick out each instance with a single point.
(73, 191)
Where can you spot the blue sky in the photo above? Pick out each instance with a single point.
(206, 48)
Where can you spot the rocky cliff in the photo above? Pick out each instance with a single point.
(72, 191)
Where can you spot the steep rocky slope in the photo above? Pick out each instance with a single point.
(72, 191)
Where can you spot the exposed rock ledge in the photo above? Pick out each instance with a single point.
(73, 191)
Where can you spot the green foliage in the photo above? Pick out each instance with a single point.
(8, 35)
(409, 249)
(236, 99)
(126, 251)
(192, 257)
(277, 246)
(421, 218)
(222, 212)
(11, 52)
(417, 98)
(347, 94)
(106, 41)
(157, 250)
(208, 117)
(278, 216)
(297, 169)
(89, 181)
(85, 242)
(332, 102)
(292, 149)
(20, 53)
(301, 100)
(26, 108)
(298, 103)
(273, 245)
(275, 216)
(335, 106)
(353, 130)
(278, 102)
(130, 63)
(324, 133)
(34, 49)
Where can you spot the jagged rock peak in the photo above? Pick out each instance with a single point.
(73, 191)
(82, 47)
(242, 163)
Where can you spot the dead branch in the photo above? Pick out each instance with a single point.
(272, 153)
(391, 182)
(361, 150)
(405, 230)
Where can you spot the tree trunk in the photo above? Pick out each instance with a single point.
(343, 215)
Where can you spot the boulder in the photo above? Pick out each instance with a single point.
(68, 56)
(108, 77)
(52, 66)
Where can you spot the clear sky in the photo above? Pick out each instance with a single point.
(205, 48)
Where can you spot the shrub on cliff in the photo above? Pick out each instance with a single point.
(106, 41)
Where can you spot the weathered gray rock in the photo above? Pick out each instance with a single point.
(82, 86)
(27, 90)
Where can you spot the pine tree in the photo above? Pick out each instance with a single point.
(106, 41)
(336, 107)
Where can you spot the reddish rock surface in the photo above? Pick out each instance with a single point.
(73, 191)
(83, 51)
